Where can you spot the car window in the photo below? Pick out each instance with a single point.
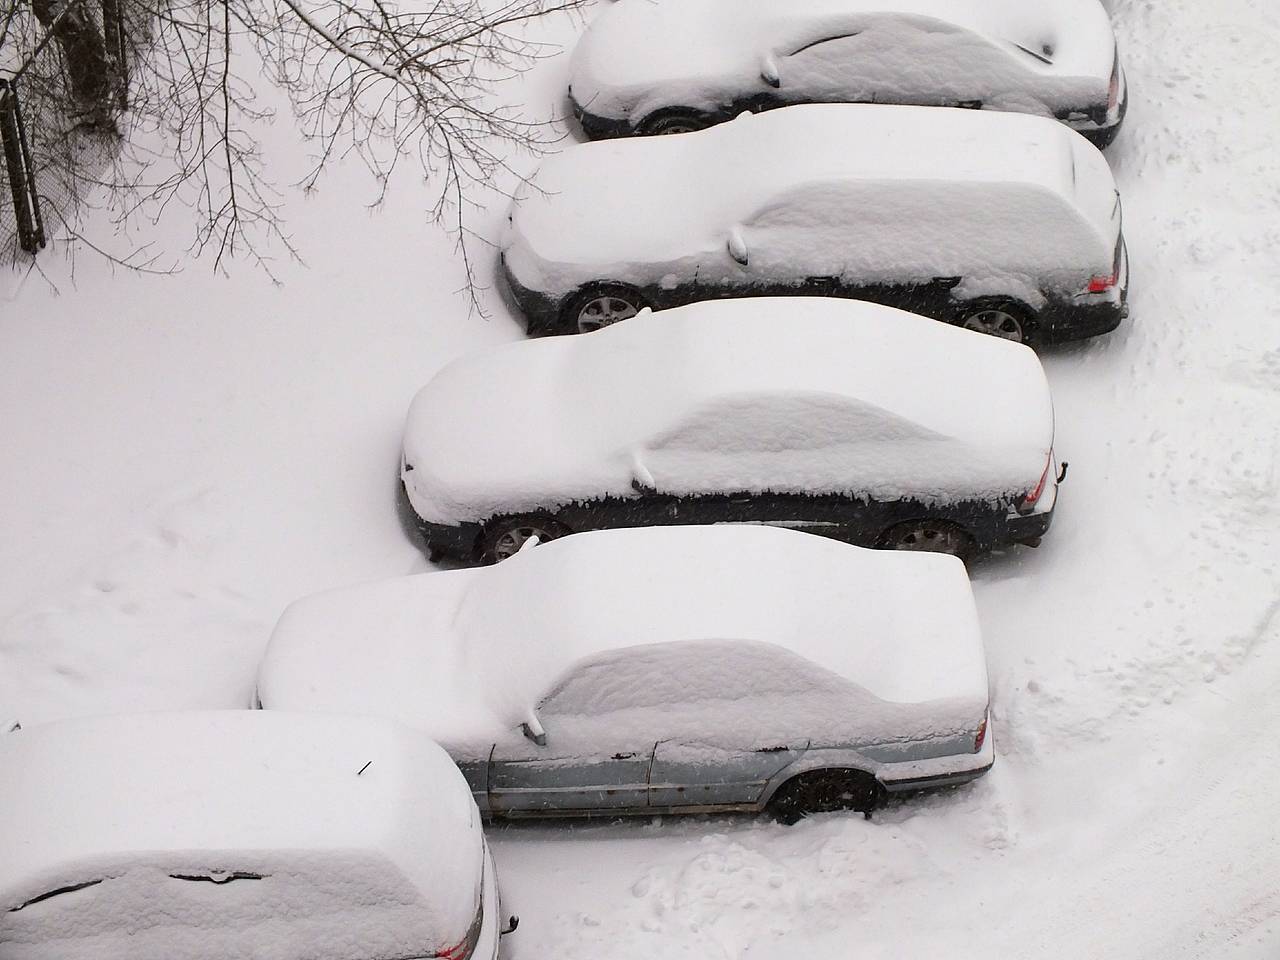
(776, 423)
(875, 63)
(812, 230)
(741, 692)
(662, 676)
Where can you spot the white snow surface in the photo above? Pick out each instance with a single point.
(800, 394)
(186, 455)
(870, 192)
(641, 55)
(467, 655)
(383, 863)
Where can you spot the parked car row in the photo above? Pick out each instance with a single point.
(757, 358)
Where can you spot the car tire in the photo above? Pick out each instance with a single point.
(504, 537)
(673, 121)
(998, 317)
(600, 305)
(929, 535)
(825, 791)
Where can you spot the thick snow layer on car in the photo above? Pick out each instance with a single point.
(643, 55)
(806, 395)
(467, 655)
(859, 191)
(232, 834)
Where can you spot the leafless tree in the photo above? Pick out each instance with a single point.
(367, 78)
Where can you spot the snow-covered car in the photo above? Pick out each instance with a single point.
(839, 417)
(665, 670)
(670, 66)
(1004, 223)
(186, 836)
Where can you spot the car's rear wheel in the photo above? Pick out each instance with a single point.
(825, 791)
(933, 536)
(601, 305)
(1006, 319)
(503, 538)
(674, 121)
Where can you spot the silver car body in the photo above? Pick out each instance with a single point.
(593, 674)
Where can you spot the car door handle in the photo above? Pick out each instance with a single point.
(623, 756)
(747, 499)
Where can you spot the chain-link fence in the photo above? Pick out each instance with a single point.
(63, 80)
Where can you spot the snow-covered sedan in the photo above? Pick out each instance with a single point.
(667, 670)
(1004, 223)
(670, 66)
(839, 417)
(188, 836)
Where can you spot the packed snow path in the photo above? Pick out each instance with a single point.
(184, 457)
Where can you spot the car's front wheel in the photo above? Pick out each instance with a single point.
(1006, 319)
(601, 305)
(674, 121)
(505, 537)
(825, 791)
(933, 536)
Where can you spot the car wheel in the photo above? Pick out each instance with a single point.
(504, 538)
(678, 121)
(1005, 319)
(601, 306)
(825, 791)
(934, 536)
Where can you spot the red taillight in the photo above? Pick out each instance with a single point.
(1101, 284)
(1113, 92)
(981, 737)
(1031, 498)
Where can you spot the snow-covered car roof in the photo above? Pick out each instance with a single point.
(695, 43)
(797, 394)
(233, 833)
(915, 190)
(466, 655)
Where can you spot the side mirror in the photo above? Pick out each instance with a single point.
(532, 729)
(769, 72)
(738, 247)
(641, 478)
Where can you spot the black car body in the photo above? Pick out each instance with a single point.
(707, 414)
(1003, 223)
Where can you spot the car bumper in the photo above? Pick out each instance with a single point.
(1066, 321)
(460, 542)
(939, 772)
(541, 312)
(1102, 129)
(597, 127)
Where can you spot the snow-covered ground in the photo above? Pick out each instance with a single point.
(183, 457)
